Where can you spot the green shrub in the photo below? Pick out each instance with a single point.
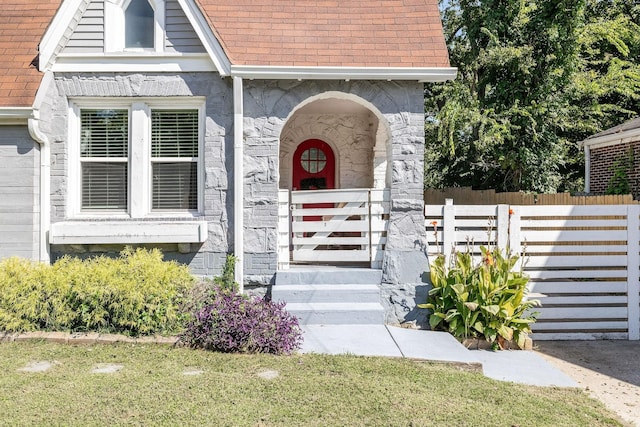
(136, 293)
(487, 299)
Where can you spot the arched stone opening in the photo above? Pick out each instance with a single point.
(354, 128)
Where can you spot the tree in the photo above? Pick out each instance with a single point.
(498, 125)
(535, 77)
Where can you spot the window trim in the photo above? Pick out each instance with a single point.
(114, 26)
(140, 180)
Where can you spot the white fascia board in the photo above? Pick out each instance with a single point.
(207, 38)
(56, 30)
(15, 115)
(111, 63)
(427, 74)
(124, 232)
(611, 139)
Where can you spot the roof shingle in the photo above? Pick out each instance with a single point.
(22, 25)
(310, 33)
(329, 33)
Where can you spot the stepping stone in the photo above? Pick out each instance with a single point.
(268, 374)
(38, 366)
(190, 372)
(106, 368)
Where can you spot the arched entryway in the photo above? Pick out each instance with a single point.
(334, 177)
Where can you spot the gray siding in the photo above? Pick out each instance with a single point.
(19, 193)
(180, 34)
(88, 36)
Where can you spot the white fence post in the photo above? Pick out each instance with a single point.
(378, 206)
(633, 271)
(284, 234)
(502, 225)
(448, 229)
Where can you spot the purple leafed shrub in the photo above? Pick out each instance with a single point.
(232, 323)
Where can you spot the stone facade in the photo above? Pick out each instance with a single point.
(622, 159)
(205, 259)
(380, 145)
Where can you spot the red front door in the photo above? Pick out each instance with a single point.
(314, 166)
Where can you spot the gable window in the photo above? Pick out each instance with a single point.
(134, 25)
(136, 160)
(139, 25)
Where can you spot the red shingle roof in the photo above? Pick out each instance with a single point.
(22, 25)
(323, 33)
(340, 33)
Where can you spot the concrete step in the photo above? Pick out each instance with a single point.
(329, 275)
(354, 293)
(337, 313)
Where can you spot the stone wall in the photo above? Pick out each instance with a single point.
(394, 125)
(399, 108)
(205, 259)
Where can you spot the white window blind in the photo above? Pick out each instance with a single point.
(104, 154)
(174, 159)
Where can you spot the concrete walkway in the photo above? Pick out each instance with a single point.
(524, 367)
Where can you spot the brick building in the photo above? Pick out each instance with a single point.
(612, 160)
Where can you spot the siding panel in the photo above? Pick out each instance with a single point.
(19, 193)
(88, 36)
(180, 34)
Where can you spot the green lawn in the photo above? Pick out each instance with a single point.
(310, 390)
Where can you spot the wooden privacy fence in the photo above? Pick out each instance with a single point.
(468, 196)
(582, 260)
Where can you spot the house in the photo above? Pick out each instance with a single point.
(612, 160)
(196, 125)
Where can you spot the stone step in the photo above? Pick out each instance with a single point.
(330, 275)
(337, 313)
(323, 293)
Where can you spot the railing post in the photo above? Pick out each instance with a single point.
(515, 242)
(377, 225)
(502, 225)
(284, 233)
(633, 271)
(448, 229)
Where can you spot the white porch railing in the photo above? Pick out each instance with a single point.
(582, 260)
(332, 226)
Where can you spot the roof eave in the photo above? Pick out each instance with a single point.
(611, 139)
(280, 72)
(15, 115)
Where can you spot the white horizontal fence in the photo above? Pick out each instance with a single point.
(332, 226)
(582, 260)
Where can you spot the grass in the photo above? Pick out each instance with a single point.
(310, 390)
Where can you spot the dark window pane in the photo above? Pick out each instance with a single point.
(104, 185)
(175, 186)
(174, 133)
(104, 133)
(139, 25)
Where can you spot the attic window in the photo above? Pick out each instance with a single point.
(139, 25)
(134, 25)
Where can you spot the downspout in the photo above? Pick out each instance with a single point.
(45, 166)
(238, 187)
(587, 169)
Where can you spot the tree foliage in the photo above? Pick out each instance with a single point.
(534, 77)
